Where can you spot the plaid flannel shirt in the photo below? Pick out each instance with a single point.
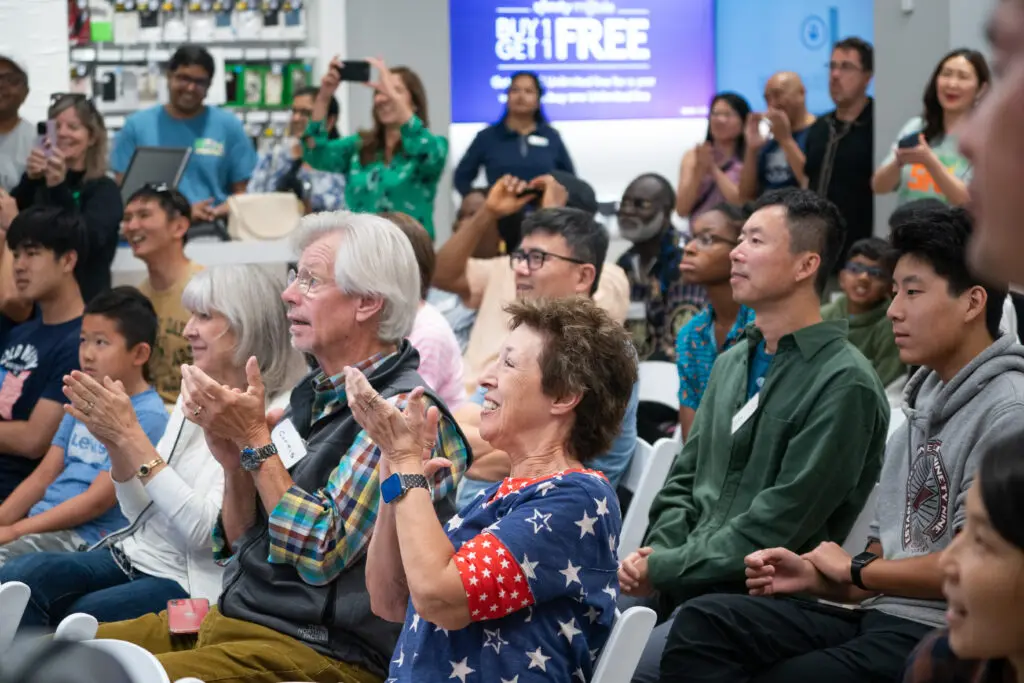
(321, 533)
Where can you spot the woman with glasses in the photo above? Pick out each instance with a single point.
(397, 164)
(721, 324)
(69, 170)
(171, 494)
(521, 144)
(925, 160)
(710, 172)
(281, 169)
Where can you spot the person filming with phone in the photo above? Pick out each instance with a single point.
(926, 161)
(67, 168)
(396, 165)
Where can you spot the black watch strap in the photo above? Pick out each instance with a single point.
(859, 562)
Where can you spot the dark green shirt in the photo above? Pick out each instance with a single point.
(796, 473)
(871, 332)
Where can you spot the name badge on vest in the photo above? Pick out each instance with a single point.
(637, 310)
(744, 413)
(538, 141)
(290, 446)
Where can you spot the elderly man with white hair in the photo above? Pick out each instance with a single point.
(301, 498)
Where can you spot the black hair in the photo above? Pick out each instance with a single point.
(1001, 478)
(939, 236)
(934, 128)
(863, 48)
(587, 239)
(133, 315)
(815, 225)
(191, 55)
(172, 202)
(876, 249)
(333, 108)
(740, 105)
(51, 227)
(539, 116)
(903, 211)
(736, 215)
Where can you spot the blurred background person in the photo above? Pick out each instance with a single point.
(522, 144)
(925, 160)
(397, 164)
(17, 136)
(281, 168)
(71, 172)
(710, 172)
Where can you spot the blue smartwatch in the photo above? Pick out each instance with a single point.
(397, 485)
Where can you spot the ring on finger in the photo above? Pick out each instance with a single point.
(196, 411)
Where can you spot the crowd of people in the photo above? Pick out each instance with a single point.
(403, 462)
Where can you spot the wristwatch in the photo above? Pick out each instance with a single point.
(253, 458)
(858, 563)
(147, 468)
(397, 485)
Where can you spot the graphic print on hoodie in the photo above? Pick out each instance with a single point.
(931, 461)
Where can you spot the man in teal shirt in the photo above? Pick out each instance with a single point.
(788, 440)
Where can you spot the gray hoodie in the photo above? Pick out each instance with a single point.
(931, 460)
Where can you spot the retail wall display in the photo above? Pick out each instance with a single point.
(598, 60)
(754, 39)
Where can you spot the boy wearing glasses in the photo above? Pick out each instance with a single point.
(156, 223)
(866, 281)
(223, 156)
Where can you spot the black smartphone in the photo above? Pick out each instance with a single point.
(531, 192)
(357, 71)
(909, 141)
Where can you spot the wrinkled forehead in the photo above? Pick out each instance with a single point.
(321, 253)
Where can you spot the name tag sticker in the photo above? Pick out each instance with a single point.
(637, 310)
(290, 446)
(538, 141)
(744, 413)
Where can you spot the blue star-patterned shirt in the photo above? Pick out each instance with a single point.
(538, 560)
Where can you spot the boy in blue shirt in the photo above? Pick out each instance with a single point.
(223, 156)
(68, 502)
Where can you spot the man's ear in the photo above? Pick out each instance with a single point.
(808, 266)
(368, 307)
(587, 275)
(977, 303)
(180, 226)
(68, 261)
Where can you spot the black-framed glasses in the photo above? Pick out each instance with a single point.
(307, 281)
(706, 240)
(535, 258)
(854, 268)
(844, 66)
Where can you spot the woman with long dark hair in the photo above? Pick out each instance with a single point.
(925, 160)
(396, 165)
(521, 144)
(710, 172)
(984, 581)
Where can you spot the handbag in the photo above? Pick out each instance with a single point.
(267, 216)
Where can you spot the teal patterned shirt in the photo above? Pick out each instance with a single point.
(408, 184)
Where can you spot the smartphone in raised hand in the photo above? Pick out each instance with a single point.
(355, 71)
(47, 136)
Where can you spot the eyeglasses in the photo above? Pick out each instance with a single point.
(535, 259)
(307, 281)
(199, 83)
(845, 67)
(706, 240)
(854, 268)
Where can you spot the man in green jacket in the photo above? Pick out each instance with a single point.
(788, 440)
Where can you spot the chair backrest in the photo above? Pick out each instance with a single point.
(644, 478)
(140, 664)
(14, 597)
(77, 627)
(659, 383)
(621, 654)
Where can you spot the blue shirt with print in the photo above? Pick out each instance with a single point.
(85, 458)
(697, 349)
(222, 153)
(773, 169)
(759, 364)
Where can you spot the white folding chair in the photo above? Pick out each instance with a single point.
(659, 383)
(77, 627)
(626, 643)
(644, 478)
(14, 597)
(141, 665)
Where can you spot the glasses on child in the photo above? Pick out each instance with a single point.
(706, 240)
(855, 269)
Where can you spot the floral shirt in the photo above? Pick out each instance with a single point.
(407, 184)
(697, 349)
(326, 191)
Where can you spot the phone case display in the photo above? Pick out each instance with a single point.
(79, 25)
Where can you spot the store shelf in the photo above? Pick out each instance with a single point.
(148, 54)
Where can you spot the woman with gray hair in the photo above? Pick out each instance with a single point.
(172, 493)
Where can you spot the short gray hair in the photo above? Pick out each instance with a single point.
(250, 298)
(374, 259)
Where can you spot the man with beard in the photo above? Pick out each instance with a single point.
(660, 302)
(223, 157)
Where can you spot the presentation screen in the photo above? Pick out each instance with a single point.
(755, 38)
(597, 59)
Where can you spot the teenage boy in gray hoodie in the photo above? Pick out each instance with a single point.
(969, 391)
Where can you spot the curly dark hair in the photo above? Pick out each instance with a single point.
(586, 353)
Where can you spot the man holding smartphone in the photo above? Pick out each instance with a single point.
(17, 136)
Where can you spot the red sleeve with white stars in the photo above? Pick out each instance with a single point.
(494, 582)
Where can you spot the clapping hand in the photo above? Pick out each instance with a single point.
(505, 197)
(781, 127)
(104, 408)
(229, 414)
(752, 131)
